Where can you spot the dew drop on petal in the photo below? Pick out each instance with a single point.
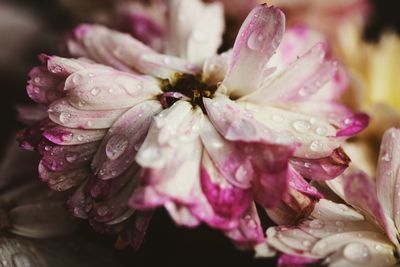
(316, 146)
(95, 91)
(321, 130)
(386, 157)
(36, 79)
(102, 211)
(277, 118)
(301, 126)
(316, 224)
(306, 243)
(240, 174)
(339, 223)
(115, 146)
(256, 41)
(64, 117)
(356, 253)
(71, 157)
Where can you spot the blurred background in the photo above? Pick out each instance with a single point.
(28, 28)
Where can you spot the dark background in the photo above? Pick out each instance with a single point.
(165, 244)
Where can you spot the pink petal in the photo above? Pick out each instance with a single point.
(249, 232)
(117, 150)
(63, 180)
(138, 231)
(69, 136)
(43, 87)
(171, 154)
(257, 40)
(296, 41)
(63, 158)
(226, 200)
(360, 192)
(181, 215)
(31, 114)
(387, 179)
(63, 113)
(246, 164)
(287, 260)
(324, 168)
(205, 37)
(354, 125)
(30, 137)
(92, 89)
(299, 81)
(314, 135)
(122, 52)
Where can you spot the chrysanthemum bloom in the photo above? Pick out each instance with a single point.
(201, 134)
(336, 234)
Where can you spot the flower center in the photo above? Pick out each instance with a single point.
(187, 87)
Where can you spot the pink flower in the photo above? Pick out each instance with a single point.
(362, 233)
(201, 134)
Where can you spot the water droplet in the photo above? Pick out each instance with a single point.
(379, 247)
(256, 41)
(64, 117)
(80, 137)
(306, 243)
(116, 145)
(36, 79)
(316, 224)
(252, 224)
(301, 126)
(316, 146)
(36, 90)
(113, 173)
(90, 75)
(89, 123)
(102, 210)
(313, 120)
(386, 157)
(241, 174)
(321, 130)
(214, 67)
(167, 60)
(348, 121)
(277, 118)
(47, 148)
(95, 91)
(139, 86)
(307, 164)
(71, 157)
(21, 260)
(339, 223)
(356, 253)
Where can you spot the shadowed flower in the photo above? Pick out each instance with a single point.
(362, 233)
(201, 134)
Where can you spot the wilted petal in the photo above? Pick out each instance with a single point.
(63, 180)
(257, 40)
(324, 168)
(63, 113)
(41, 220)
(90, 89)
(117, 150)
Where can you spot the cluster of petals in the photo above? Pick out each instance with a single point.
(204, 135)
(358, 225)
